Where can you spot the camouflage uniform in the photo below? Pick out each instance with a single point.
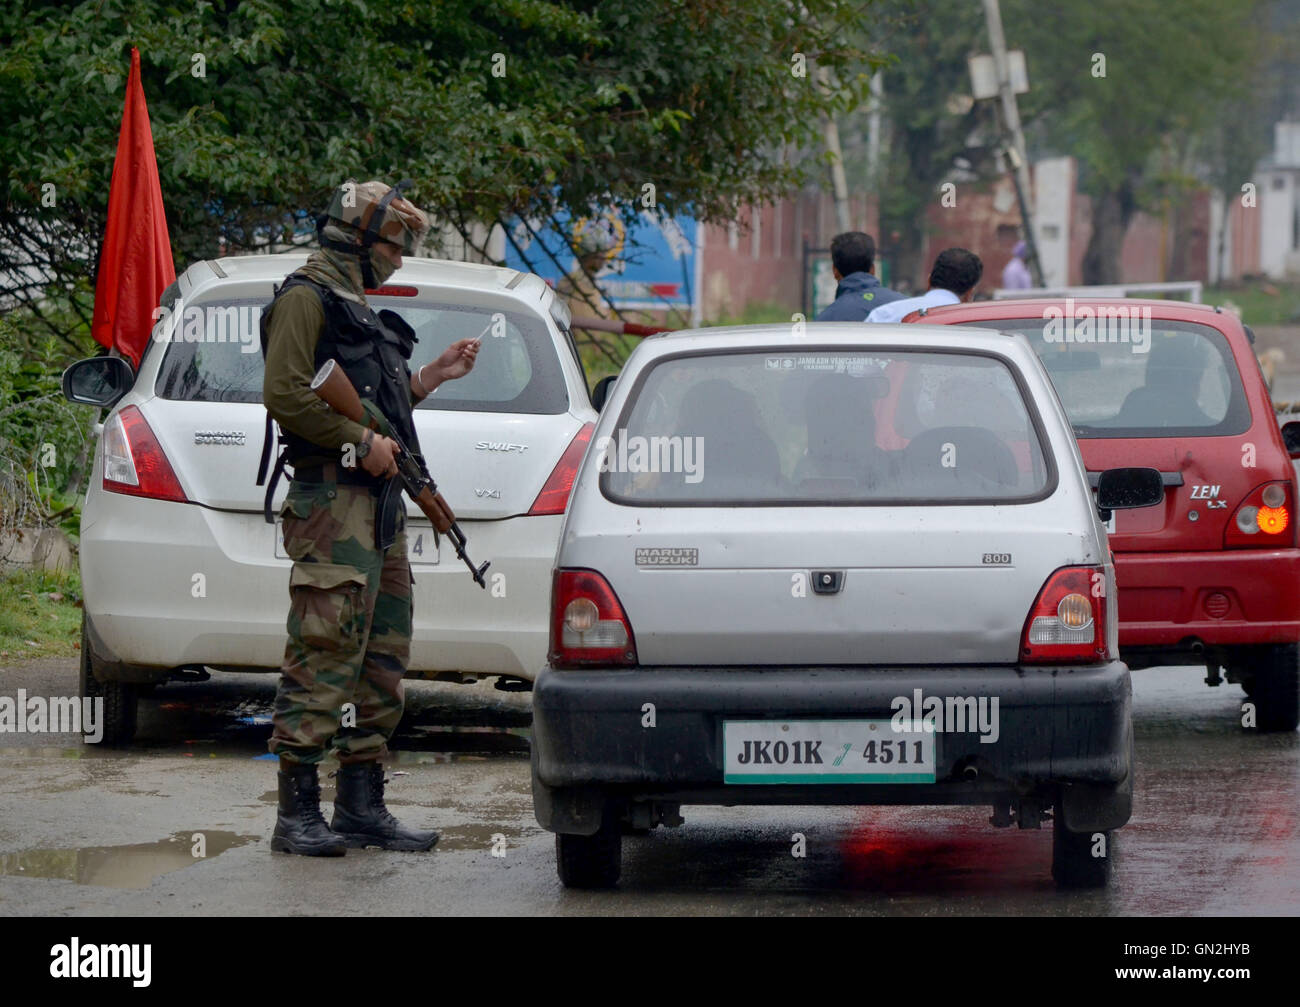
(349, 627)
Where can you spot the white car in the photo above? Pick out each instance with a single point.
(180, 570)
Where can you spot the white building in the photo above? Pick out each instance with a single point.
(1278, 188)
(1263, 233)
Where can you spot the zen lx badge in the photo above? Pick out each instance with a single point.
(1209, 492)
(668, 557)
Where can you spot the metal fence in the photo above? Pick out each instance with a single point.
(1191, 288)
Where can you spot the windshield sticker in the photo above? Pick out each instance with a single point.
(852, 366)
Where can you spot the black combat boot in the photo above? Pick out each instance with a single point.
(361, 818)
(299, 826)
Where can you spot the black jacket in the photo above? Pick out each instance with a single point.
(857, 296)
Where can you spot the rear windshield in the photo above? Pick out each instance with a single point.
(1146, 378)
(214, 355)
(825, 427)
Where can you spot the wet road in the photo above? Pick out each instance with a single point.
(88, 830)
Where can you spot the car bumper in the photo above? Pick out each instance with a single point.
(1169, 599)
(170, 585)
(1056, 726)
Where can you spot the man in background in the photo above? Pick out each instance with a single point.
(853, 261)
(952, 280)
(1015, 274)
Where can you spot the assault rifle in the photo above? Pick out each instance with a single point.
(333, 386)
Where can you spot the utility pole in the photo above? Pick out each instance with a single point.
(839, 184)
(873, 128)
(1011, 122)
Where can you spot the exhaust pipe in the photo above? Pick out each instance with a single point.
(970, 774)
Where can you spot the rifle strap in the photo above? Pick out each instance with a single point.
(266, 451)
(276, 473)
(386, 509)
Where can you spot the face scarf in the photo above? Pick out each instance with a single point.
(381, 267)
(342, 272)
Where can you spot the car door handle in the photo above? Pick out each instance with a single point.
(1169, 479)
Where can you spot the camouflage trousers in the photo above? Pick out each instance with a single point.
(349, 628)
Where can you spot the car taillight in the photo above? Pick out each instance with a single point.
(1068, 620)
(588, 625)
(1266, 518)
(555, 494)
(134, 462)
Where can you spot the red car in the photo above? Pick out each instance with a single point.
(1213, 576)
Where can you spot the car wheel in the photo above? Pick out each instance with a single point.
(119, 699)
(591, 861)
(1073, 862)
(1276, 689)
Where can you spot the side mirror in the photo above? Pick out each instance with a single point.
(600, 394)
(98, 381)
(1291, 438)
(1129, 488)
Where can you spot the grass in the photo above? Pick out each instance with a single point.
(34, 624)
(757, 313)
(1261, 303)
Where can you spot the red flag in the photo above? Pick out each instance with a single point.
(135, 262)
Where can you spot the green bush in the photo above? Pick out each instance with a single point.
(45, 442)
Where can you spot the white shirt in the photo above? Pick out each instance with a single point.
(896, 311)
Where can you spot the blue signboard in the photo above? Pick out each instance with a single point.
(649, 266)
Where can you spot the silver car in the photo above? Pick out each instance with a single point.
(850, 565)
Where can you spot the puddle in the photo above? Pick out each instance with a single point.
(482, 838)
(461, 740)
(135, 866)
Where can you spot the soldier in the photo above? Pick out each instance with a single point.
(350, 615)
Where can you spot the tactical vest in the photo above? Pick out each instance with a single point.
(373, 350)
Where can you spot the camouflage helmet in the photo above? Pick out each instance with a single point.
(378, 212)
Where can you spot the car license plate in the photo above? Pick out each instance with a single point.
(826, 751)
(420, 549)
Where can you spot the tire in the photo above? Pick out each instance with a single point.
(1276, 689)
(590, 861)
(119, 699)
(1073, 865)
